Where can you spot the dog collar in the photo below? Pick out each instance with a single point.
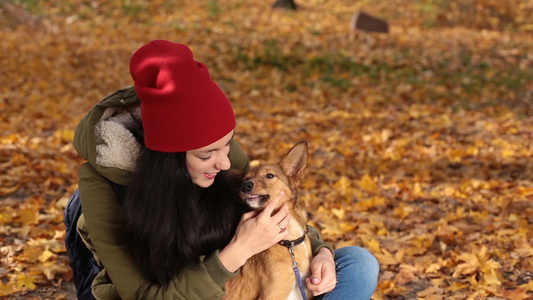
(288, 244)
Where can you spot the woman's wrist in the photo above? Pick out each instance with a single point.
(325, 251)
(232, 257)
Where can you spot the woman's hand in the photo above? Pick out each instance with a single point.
(256, 232)
(323, 277)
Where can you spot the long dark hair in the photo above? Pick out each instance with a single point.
(170, 222)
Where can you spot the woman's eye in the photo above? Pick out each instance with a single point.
(269, 176)
(205, 158)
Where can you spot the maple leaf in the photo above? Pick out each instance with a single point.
(368, 184)
(339, 213)
(524, 249)
(24, 281)
(46, 255)
(527, 286)
(434, 267)
(516, 294)
(386, 258)
(491, 273)
(51, 270)
(7, 289)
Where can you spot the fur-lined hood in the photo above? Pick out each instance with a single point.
(107, 136)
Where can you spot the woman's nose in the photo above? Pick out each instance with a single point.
(223, 163)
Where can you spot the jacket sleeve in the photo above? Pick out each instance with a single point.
(317, 242)
(101, 212)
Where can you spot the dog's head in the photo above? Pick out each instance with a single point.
(262, 184)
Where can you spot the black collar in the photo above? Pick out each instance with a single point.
(288, 244)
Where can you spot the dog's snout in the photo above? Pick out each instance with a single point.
(247, 186)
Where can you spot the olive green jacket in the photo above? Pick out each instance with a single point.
(106, 139)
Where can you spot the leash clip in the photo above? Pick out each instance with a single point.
(294, 262)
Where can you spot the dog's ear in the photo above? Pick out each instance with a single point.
(295, 161)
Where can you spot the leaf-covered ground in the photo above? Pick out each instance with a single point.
(421, 139)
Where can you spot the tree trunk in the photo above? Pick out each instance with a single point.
(21, 16)
(286, 4)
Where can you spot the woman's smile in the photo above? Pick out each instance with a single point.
(210, 176)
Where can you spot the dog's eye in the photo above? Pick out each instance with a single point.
(269, 175)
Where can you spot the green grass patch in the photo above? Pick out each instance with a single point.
(33, 6)
(131, 8)
(213, 8)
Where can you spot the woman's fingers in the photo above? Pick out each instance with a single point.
(258, 231)
(267, 211)
(284, 223)
(248, 215)
(280, 215)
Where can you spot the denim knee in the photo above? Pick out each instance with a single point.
(360, 264)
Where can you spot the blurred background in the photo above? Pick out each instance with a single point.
(420, 136)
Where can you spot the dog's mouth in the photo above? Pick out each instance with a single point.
(256, 201)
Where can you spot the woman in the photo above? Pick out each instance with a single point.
(175, 228)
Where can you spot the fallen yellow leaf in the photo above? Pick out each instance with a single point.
(24, 281)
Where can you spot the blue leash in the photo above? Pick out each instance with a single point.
(289, 245)
(298, 276)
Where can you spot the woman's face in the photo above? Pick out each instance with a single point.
(205, 163)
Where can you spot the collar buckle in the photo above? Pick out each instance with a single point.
(290, 244)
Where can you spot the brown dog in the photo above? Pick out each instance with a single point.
(269, 275)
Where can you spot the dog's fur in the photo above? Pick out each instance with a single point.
(269, 275)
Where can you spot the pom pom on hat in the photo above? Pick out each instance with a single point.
(182, 108)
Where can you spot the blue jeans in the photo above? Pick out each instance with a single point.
(357, 275)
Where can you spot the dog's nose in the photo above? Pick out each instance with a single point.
(247, 186)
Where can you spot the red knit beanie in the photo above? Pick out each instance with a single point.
(182, 108)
